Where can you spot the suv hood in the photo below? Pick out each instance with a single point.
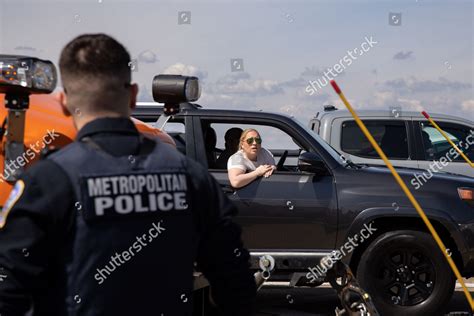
(411, 172)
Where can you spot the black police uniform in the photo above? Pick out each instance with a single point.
(111, 225)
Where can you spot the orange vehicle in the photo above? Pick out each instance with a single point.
(29, 128)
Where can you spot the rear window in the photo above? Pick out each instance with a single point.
(391, 136)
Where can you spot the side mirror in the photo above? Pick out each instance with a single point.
(311, 162)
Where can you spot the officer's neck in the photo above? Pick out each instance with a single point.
(81, 120)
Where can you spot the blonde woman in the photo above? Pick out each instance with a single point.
(250, 161)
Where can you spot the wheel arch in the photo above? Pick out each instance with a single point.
(405, 220)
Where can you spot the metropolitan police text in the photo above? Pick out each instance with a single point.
(138, 193)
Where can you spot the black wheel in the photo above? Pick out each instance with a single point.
(406, 273)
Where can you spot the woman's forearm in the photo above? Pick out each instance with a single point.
(243, 179)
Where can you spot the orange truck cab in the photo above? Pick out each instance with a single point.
(32, 119)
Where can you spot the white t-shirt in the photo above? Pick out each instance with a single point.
(240, 161)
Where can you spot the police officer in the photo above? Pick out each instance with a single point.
(113, 223)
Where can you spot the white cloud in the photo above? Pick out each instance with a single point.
(387, 99)
(185, 70)
(147, 57)
(383, 98)
(468, 106)
(411, 104)
(144, 95)
(241, 83)
(413, 85)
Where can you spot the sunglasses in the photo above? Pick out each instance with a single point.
(250, 140)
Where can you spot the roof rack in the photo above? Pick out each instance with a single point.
(182, 106)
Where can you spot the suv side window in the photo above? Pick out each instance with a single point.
(436, 146)
(391, 136)
(274, 139)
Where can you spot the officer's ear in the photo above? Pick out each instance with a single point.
(61, 97)
(133, 95)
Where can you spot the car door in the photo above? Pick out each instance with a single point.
(288, 210)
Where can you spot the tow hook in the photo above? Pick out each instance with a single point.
(266, 264)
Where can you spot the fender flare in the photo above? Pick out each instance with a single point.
(371, 214)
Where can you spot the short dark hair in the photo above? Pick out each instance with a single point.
(92, 65)
(93, 55)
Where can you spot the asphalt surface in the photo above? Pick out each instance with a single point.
(323, 301)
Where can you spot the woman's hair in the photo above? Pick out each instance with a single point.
(244, 135)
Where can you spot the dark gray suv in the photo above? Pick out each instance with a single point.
(318, 205)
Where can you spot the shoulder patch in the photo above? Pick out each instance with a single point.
(15, 194)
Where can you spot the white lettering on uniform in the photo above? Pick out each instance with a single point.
(152, 202)
(132, 181)
(150, 183)
(138, 193)
(105, 186)
(102, 203)
(180, 201)
(157, 183)
(124, 185)
(161, 201)
(138, 204)
(114, 181)
(94, 187)
(176, 184)
(167, 177)
(141, 183)
(124, 204)
(182, 179)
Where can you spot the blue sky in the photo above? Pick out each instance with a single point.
(426, 63)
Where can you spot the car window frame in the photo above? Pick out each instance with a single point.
(417, 123)
(201, 157)
(408, 129)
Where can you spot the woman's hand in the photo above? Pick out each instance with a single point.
(264, 170)
(270, 172)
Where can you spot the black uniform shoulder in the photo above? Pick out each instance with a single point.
(64, 151)
(45, 191)
(48, 174)
(48, 151)
(169, 150)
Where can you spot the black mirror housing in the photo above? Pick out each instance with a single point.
(175, 89)
(312, 163)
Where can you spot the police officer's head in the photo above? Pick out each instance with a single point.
(96, 77)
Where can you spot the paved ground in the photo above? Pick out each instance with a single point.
(322, 301)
